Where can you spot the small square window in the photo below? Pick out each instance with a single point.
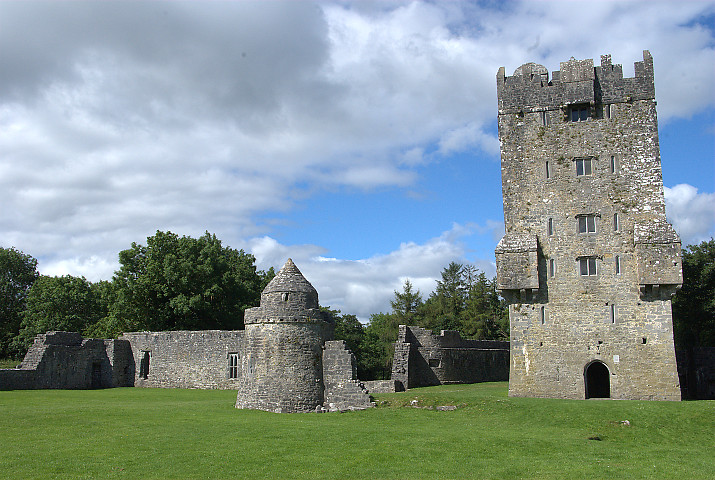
(580, 113)
(587, 224)
(583, 167)
(587, 266)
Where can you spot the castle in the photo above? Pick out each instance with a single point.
(588, 263)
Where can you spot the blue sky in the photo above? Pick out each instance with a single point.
(358, 138)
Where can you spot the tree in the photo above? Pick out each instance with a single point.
(485, 315)
(18, 272)
(694, 304)
(64, 303)
(444, 306)
(380, 337)
(177, 283)
(407, 304)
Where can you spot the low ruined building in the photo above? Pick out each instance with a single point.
(588, 263)
(423, 359)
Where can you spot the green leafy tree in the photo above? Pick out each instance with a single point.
(694, 304)
(18, 272)
(443, 308)
(177, 283)
(64, 303)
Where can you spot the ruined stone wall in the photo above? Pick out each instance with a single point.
(66, 360)
(186, 359)
(423, 358)
(343, 390)
(600, 174)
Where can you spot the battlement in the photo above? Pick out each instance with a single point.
(577, 82)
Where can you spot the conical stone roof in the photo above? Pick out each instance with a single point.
(289, 279)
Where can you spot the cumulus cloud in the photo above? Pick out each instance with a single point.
(691, 213)
(366, 286)
(119, 120)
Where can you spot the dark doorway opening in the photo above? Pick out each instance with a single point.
(96, 375)
(597, 381)
(144, 365)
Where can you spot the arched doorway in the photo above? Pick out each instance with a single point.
(598, 383)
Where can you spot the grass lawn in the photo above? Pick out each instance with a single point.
(139, 433)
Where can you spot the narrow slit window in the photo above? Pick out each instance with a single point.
(583, 167)
(233, 365)
(616, 223)
(613, 164)
(613, 314)
(144, 364)
(542, 315)
(552, 267)
(544, 118)
(618, 264)
(607, 110)
(550, 226)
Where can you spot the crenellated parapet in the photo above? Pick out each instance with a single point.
(529, 89)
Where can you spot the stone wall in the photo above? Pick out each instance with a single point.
(185, 359)
(581, 177)
(423, 358)
(68, 361)
(343, 391)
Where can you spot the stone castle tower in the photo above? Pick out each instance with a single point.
(588, 263)
(282, 361)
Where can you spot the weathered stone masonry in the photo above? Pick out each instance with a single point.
(423, 359)
(588, 262)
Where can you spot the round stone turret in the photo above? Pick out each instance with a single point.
(282, 359)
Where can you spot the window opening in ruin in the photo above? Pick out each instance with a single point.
(607, 110)
(552, 267)
(144, 364)
(583, 167)
(284, 297)
(233, 365)
(580, 113)
(550, 226)
(434, 362)
(587, 224)
(616, 223)
(618, 264)
(613, 164)
(544, 118)
(542, 314)
(644, 340)
(597, 381)
(612, 314)
(548, 171)
(587, 266)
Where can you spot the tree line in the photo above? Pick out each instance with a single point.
(171, 283)
(184, 283)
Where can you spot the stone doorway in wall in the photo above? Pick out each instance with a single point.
(597, 378)
(96, 375)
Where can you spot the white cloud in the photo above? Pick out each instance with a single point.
(363, 287)
(219, 116)
(691, 213)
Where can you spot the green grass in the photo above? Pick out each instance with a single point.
(146, 433)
